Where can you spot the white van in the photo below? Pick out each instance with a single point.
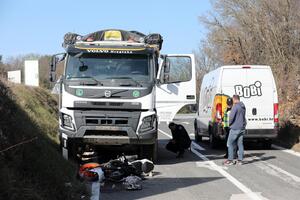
(256, 87)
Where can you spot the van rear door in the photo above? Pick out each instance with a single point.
(258, 96)
(254, 84)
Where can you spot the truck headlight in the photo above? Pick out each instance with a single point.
(66, 121)
(148, 123)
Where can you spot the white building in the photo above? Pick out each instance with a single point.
(14, 76)
(31, 70)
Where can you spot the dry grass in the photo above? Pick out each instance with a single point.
(33, 170)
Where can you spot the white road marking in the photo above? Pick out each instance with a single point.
(206, 164)
(278, 172)
(187, 123)
(197, 146)
(166, 134)
(286, 150)
(219, 169)
(244, 196)
(233, 180)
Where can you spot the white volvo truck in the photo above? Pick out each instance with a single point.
(116, 87)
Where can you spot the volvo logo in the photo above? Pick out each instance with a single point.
(107, 93)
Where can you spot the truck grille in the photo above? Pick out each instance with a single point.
(106, 121)
(107, 118)
(105, 133)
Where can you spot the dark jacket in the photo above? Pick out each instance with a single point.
(237, 119)
(181, 136)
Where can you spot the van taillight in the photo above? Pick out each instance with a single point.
(219, 112)
(276, 113)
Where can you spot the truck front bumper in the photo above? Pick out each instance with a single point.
(111, 135)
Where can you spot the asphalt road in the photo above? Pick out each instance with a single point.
(267, 174)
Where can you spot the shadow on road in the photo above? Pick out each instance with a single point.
(217, 154)
(166, 157)
(155, 186)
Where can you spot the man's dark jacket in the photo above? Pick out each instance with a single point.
(237, 119)
(181, 136)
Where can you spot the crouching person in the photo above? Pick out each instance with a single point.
(180, 140)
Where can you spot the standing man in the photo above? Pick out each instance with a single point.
(226, 127)
(180, 140)
(237, 124)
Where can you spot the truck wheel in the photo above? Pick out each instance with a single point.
(149, 152)
(70, 151)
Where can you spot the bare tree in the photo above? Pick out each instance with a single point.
(257, 32)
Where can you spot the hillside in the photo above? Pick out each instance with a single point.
(31, 164)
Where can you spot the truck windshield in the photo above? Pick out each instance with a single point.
(102, 67)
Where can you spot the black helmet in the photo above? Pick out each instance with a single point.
(229, 101)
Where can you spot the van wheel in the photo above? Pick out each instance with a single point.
(267, 144)
(149, 152)
(213, 141)
(198, 138)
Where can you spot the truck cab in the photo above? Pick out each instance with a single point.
(116, 87)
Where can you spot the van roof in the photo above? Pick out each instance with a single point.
(245, 66)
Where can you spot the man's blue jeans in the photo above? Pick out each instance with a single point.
(235, 140)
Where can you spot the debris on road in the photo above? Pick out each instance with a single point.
(133, 183)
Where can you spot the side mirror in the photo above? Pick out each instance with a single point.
(167, 66)
(166, 78)
(54, 60)
(53, 64)
(157, 81)
(52, 77)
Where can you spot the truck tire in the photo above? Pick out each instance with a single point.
(149, 152)
(198, 138)
(71, 149)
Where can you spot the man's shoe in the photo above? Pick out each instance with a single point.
(228, 162)
(239, 162)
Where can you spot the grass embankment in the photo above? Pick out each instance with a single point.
(289, 134)
(36, 169)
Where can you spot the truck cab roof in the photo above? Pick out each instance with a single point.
(113, 41)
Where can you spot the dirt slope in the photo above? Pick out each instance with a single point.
(34, 169)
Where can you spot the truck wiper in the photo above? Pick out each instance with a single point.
(88, 77)
(127, 78)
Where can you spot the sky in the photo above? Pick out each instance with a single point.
(38, 26)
